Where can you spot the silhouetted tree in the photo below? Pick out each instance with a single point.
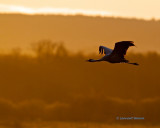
(44, 48)
(61, 50)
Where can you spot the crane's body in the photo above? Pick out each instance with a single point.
(117, 54)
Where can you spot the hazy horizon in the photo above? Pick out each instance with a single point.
(78, 33)
(80, 14)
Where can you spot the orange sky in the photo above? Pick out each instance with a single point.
(146, 9)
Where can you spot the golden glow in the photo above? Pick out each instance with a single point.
(15, 9)
(64, 11)
(146, 9)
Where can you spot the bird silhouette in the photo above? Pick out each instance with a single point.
(117, 54)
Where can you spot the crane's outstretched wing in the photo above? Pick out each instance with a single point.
(105, 50)
(121, 48)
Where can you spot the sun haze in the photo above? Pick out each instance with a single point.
(145, 9)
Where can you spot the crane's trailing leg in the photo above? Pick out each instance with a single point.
(92, 60)
(133, 63)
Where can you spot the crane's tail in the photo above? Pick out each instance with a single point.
(127, 61)
(133, 63)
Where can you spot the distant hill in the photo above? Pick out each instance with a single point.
(78, 32)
